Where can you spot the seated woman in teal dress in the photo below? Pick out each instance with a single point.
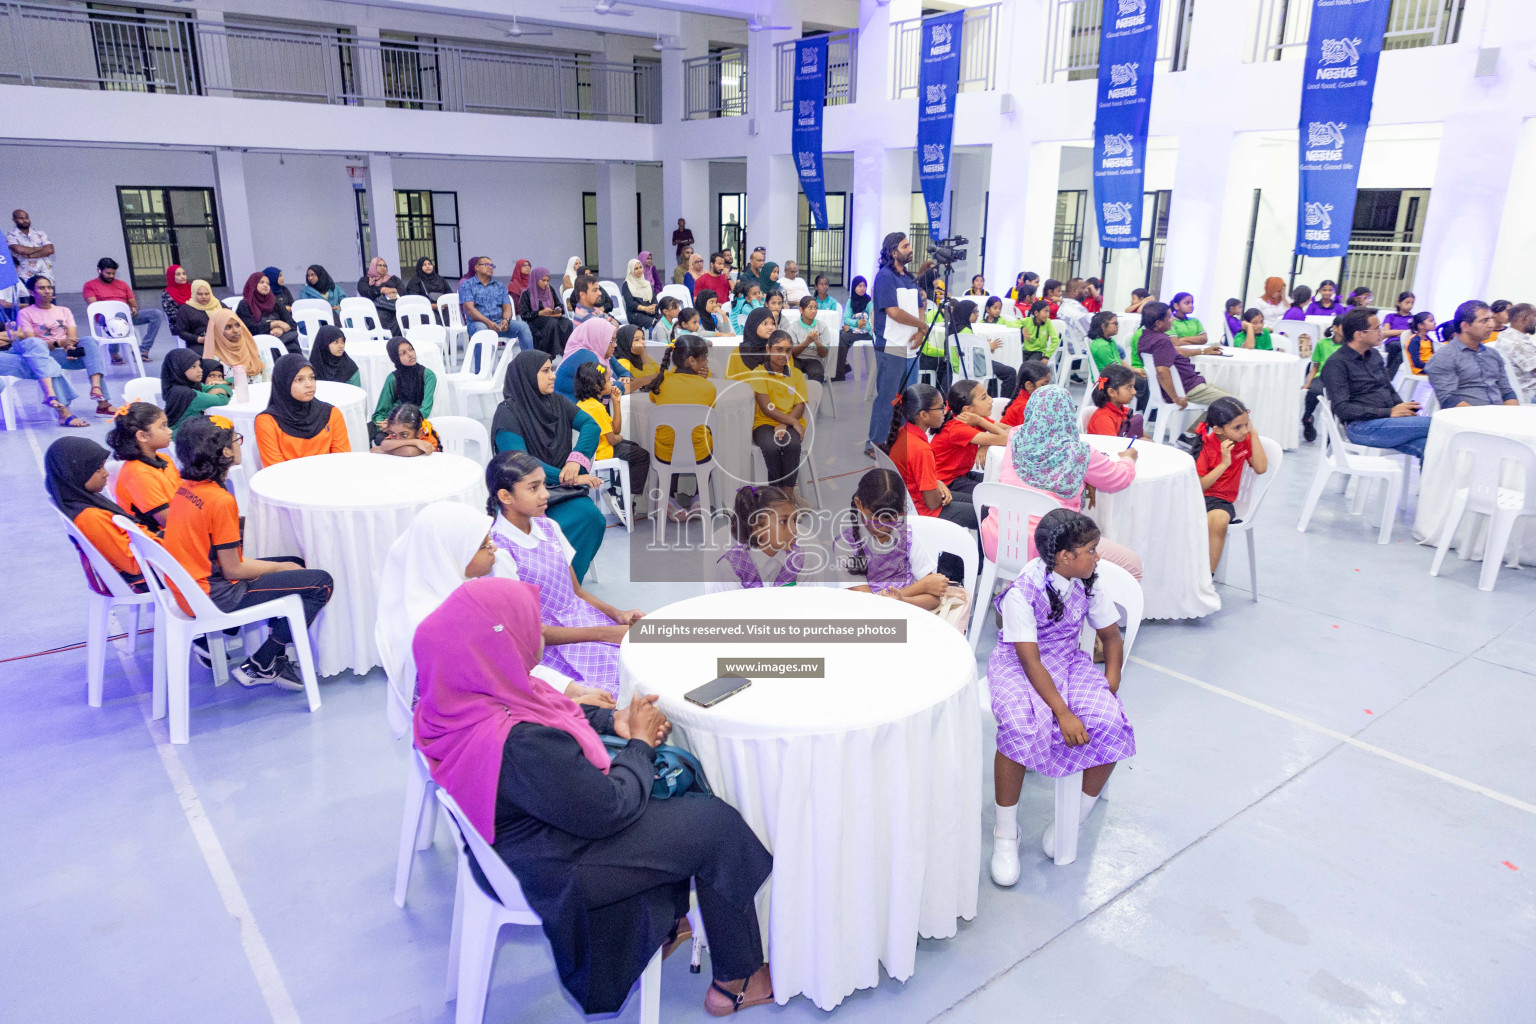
(532, 418)
(328, 355)
(592, 341)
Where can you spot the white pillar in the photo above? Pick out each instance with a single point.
(234, 217)
(882, 203)
(685, 193)
(773, 193)
(381, 213)
(1514, 255)
(1195, 222)
(617, 243)
(1042, 180)
(368, 66)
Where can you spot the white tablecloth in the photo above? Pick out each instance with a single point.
(373, 366)
(1161, 517)
(865, 785)
(1438, 480)
(350, 400)
(1011, 351)
(341, 513)
(1268, 383)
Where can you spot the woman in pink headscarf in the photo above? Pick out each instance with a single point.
(520, 279)
(383, 288)
(541, 310)
(607, 868)
(648, 268)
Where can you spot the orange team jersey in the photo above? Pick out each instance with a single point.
(1013, 416)
(913, 458)
(276, 446)
(144, 490)
(109, 539)
(203, 519)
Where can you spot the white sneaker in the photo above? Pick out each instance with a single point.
(1005, 858)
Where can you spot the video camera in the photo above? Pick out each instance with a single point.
(947, 251)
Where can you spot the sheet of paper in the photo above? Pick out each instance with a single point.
(900, 336)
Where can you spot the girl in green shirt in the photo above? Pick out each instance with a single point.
(328, 355)
(411, 382)
(181, 378)
(1254, 335)
(1040, 331)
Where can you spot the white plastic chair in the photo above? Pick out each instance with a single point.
(483, 343)
(459, 432)
(1340, 456)
(619, 468)
(1015, 506)
(358, 311)
(272, 349)
(8, 400)
(478, 918)
(109, 592)
(143, 389)
(175, 629)
(231, 301)
(1250, 495)
(99, 314)
(309, 316)
(975, 358)
(451, 315)
(413, 311)
(1483, 495)
(1168, 413)
(679, 293)
(619, 312)
(943, 536)
(681, 419)
(485, 384)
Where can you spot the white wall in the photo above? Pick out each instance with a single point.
(302, 212)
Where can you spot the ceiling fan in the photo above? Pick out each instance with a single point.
(600, 7)
(756, 24)
(660, 45)
(517, 31)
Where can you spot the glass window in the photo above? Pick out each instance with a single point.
(164, 227)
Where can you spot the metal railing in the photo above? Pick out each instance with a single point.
(1383, 261)
(1281, 26)
(715, 85)
(978, 52)
(842, 70)
(73, 47)
(1072, 38)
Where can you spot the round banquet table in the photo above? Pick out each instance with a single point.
(373, 366)
(1268, 383)
(1011, 351)
(865, 785)
(341, 512)
(349, 399)
(1440, 479)
(1161, 517)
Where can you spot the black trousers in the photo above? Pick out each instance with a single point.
(845, 342)
(1394, 350)
(813, 369)
(314, 587)
(783, 460)
(1314, 395)
(639, 463)
(961, 511)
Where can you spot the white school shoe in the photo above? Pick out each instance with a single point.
(1005, 858)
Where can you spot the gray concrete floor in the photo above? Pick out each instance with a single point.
(1329, 818)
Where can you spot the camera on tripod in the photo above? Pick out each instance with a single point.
(947, 251)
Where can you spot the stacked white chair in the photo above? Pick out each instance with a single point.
(309, 316)
(451, 315)
(1484, 495)
(99, 314)
(1250, 495)
(1340, 456)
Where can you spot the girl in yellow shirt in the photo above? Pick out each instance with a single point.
(778, 424)
(683, 380)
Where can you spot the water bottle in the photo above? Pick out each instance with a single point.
(242, 385)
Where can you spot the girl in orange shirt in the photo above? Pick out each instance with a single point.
(147, 480)
(296, 423)
(76, 474)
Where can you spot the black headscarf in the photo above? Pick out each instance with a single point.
(295, 418)
(960, 316)
(69, 463)
(544, 422)
(856, 302)
(323, 283)
(706, 318)
(427, 284)
(410, 381)
(754, 320)
(328, 367)
(176, 391)
(211, 366)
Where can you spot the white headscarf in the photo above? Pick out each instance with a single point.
(569, 280)
(639, 284)
(423, 567)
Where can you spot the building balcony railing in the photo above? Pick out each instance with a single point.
(715, 85)
(1072, 38)
(1281, 27)
(80, 48)
(978, 52)
(842, 70)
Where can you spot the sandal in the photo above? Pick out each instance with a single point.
(682, 932)
(739, 1000)
(98, 396)
(73, 421)
(105, 409)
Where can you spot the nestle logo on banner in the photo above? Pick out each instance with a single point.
(1319, 222)
(808, 108)
(1340, 51)
(1117, 151)
(807, 161)
(808, 61)
(1122, 79)
(941, 41)
(933, 158)
(1325, 140)
(1131, 14)
(938, 99)
(935, 211)
(1117, 218)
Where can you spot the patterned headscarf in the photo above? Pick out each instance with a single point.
(1048, 451)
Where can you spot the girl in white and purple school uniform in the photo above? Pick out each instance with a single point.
(762, 552)
(582, 633)
(1057, 712)
(882, 548)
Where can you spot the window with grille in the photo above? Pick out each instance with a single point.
(589, 231)
(165, 227)
(824, 251)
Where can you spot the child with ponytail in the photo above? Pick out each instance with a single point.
(1226, 439)
(682, 379)
(1113, 394)
(1033, 375)
(881, 547)
(922, 410)
(959, 448)
(763, 552)
(147, 481)
(1056, 711)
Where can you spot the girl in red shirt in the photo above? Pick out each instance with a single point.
(1033, 374)
(1226, 444)
(960, 444)
(1114, 393)
(922, 410)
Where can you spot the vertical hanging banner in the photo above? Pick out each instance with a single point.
(938, 82)
(1338, 86)
(810, 96)
(1127, 60)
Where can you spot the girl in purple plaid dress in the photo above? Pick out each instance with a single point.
(581, 633)
(763, 552)
(1056, 712)
(882, 548)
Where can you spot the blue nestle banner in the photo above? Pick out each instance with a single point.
(810, 93)
(1338, 84)
(1127, 59)
(938, 81)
